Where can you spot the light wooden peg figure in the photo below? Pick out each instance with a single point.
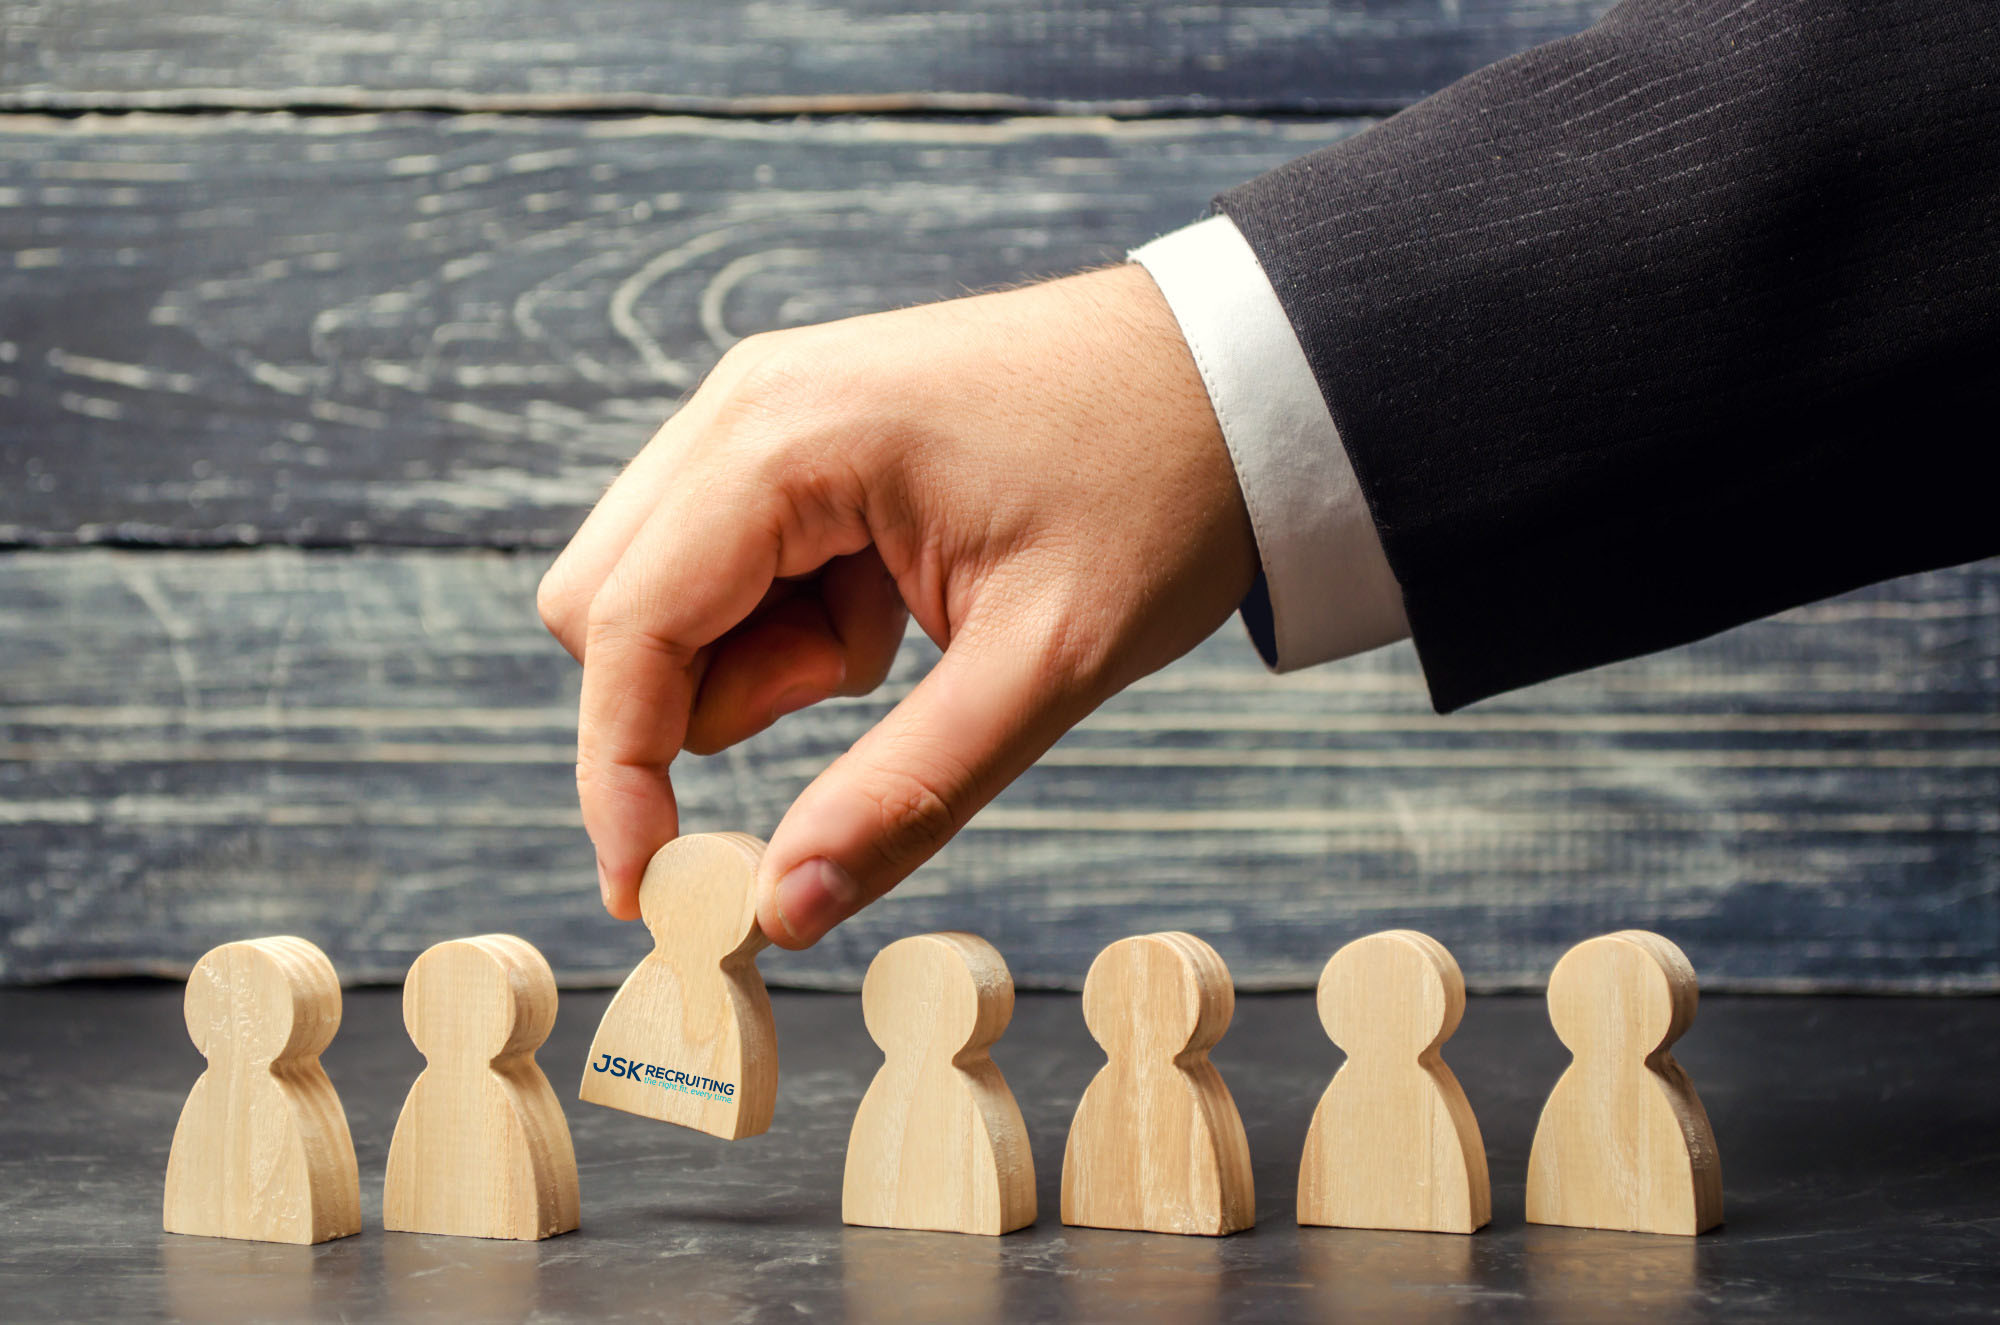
(1394, 1143)
(938, 1142)
(262, 1150)
(689, 1037)
(481, 1149)
(1624, 1142)
(1157, 1144)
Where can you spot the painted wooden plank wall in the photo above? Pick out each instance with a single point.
(1132, 56)
(453, 329)
(373, 748)
(335, 386)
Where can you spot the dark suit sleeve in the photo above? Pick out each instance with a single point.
(1670, 325)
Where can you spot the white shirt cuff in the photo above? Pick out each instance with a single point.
(1332, 593)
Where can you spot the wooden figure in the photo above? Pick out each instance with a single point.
(689, 1037)
(262, 1150)
(482, 1149)
(1157, 1144)
(1393, 1143)
(1624, 1142)
(938, 1142)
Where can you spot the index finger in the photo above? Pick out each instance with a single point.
(696, 568)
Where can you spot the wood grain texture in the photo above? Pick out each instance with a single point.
(374, 749)
(1394, 1143)
(1624, 1142)
(262, 1149)
(938, 1142)
(481, 1148)
(779, 56)
(688, 1039)
(455, 330)
(449, 330)
(1157, 1145)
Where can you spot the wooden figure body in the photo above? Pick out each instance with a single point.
(262, 1150)
(1157, 1144)
(482, 1148)
(1624, 1142)
(938, 1142)
(1394, 1143)
(689, 1037)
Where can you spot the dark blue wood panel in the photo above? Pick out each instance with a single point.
(453, 329)
(374, 748)
(783, 56)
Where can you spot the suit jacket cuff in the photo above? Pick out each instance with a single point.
(1326, 590)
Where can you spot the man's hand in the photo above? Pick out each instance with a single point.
(1036, 475)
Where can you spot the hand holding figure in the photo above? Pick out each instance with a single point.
(1037, 476)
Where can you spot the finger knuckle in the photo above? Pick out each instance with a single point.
(555, 601)
(743, 354)
(1064, 630)
(918, 813)
(795, 431)
(609, 768)
(622, 604)
(609, 607)
(771, 376)
(1075, 649)
(622, 642)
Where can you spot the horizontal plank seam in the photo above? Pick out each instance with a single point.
(924, 106)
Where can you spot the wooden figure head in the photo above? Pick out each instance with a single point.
(480, 999)
(937, 989)
(699, 898)
(1158, 996)
(1622, 997)
(263, 1000)
(1398, 993)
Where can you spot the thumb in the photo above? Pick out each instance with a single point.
(985, 712)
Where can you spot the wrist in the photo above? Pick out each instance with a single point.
(1326, 590)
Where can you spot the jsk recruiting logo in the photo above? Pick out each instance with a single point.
(666, 1078)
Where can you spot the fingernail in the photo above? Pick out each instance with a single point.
(603, 884)
(795, 699)
(814, 897)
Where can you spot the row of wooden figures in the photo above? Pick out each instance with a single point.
(1157, 1144)
(482, 1148)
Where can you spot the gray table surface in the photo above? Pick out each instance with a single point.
(1857, 1135)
